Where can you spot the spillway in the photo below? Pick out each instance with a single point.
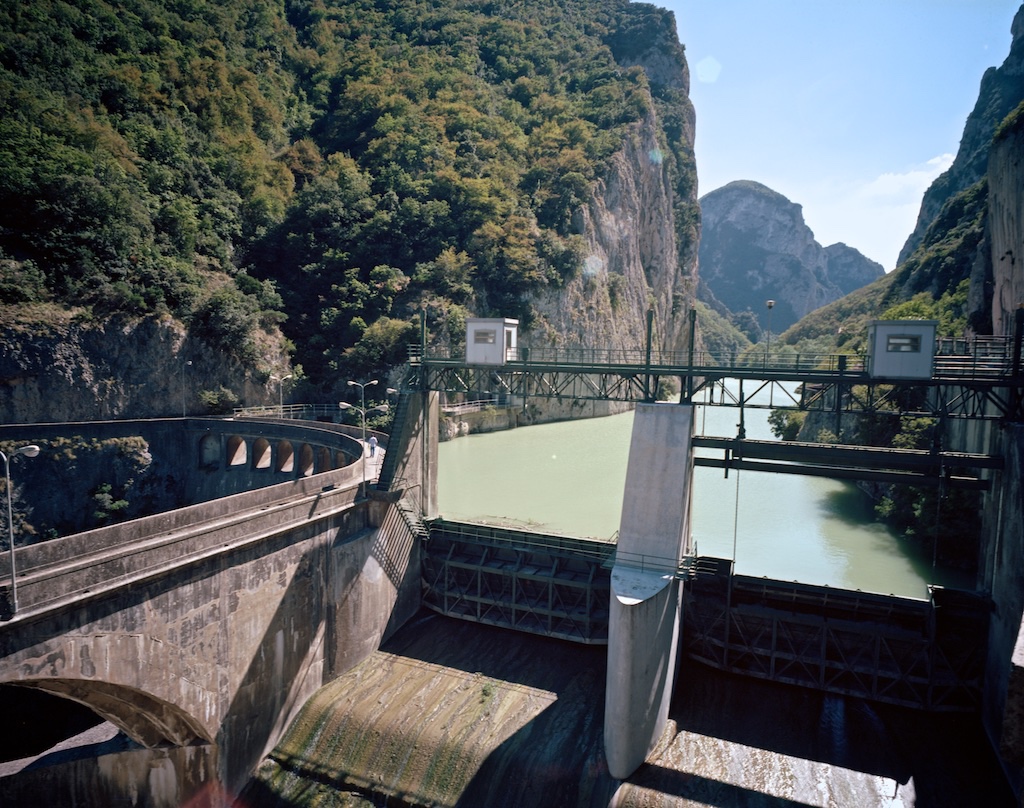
(451, 713)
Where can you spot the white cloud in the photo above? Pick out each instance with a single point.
(875, 216)
(913, 182)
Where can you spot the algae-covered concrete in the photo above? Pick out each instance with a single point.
(451, 713)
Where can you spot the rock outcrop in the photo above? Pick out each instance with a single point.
(632, 263)
(638, 257)
(1000, 92)
(63, 369)
(1006, 225)
(755, 247)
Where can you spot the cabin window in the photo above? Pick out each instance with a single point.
(903, 343)
(484, 337)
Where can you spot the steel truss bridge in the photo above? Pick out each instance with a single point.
(979, 379)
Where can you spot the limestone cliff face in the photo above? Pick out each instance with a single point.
(638, 257)
(64, 370)
(1006, 227)
(755, 247)
(631, 263)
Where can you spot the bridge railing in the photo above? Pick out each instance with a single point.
(307, 412)
(785, 359)
(983, 357)
(782, 360)
(468, 406)
(978, 357)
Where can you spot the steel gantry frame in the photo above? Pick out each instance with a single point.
(978, 379)
(842, 391)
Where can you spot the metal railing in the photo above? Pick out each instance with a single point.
(978, 357)
(468, 406)
(291, 411)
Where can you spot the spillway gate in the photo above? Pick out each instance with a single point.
(532, 582)
(923, 653)
(926, 653)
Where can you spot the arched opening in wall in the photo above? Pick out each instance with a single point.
(324, 459)
(306, 460)
(261, 454)
(35, 721)
(209, 451)
(285, 456)
(342, 459)
(145, 718)
(237, 451)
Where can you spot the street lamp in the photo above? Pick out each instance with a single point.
(344, 405)
(183, 366)
(768, 347)
(29, 451)
(280, 393)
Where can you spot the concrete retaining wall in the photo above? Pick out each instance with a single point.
(202, 650)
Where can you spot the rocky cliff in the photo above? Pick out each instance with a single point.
(1000, 92)
(638, 255)
(1006, 223)
(54, 367)
(755, 247)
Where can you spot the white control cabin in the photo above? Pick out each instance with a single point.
(901, 349)
(491, 341)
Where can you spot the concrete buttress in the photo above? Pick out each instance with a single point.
(643, 632)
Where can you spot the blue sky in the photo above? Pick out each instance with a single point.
(849, 109)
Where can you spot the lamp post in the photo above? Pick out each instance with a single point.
(362, 417)
(280, 392)
(183, 366)
(31, 450)
(768, 346)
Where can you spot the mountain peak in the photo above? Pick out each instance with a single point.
(755, 246)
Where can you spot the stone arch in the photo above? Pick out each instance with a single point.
(324, 461)
(146, 719)
(209, 451)
(261, 453)
(238, 451)
(306, 460)
(285, 456)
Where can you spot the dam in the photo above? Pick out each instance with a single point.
(418, 707)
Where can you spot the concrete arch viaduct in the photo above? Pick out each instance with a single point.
(200, 631)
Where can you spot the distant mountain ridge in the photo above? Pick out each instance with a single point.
(755, 247)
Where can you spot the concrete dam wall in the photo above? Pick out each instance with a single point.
(454, 713)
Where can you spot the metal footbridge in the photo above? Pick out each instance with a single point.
(980, 379)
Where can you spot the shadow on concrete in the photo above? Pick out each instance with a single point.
(557, 758)
(942, 759)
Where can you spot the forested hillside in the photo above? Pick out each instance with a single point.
(322, 167)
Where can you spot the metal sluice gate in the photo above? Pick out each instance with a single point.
(920, 653)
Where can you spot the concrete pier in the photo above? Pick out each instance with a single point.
(644, 624)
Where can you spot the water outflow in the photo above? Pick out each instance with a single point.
(569, 478)
(452, 713)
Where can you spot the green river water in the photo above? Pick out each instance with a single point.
(568, 478)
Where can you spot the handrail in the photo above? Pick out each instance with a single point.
(979, 357)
